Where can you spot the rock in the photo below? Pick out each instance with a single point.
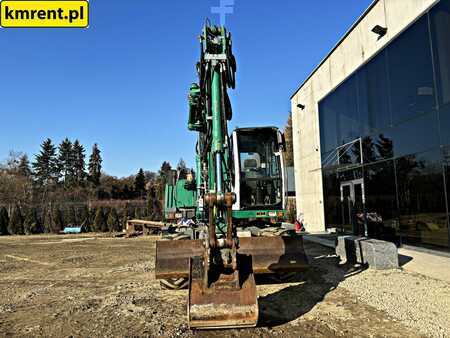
(378, 255)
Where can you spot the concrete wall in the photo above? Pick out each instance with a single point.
(356, 48)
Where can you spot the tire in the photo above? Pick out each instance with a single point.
(175, 283)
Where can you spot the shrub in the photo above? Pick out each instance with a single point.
(16, 222)
(31, 224)
(57, 223)
(113, 221)
(4, 222)
(99, 221)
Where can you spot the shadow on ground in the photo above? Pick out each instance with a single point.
(403, 260)
(308, 289)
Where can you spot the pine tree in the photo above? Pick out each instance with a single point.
(57, 221)
(16, 222)
(125, 217)
(95, 166)
(368, 149)
(385, 147)
(137, 213)
(11, 164)
(92, 214)
(165, 171)
(182, 169)
(24, 168)
(45, 165)
(79, 162)
(99, 221)
(83, 217)
(66, 162)
(4, 222)
(139, 183)
(126, 192)
(144, 212)
(149, 206)
(104, 224)
(113, 220)
(47, 222)
(70, 217)
(289, 151)
(157, 214)
(31, 224)
(26, 223)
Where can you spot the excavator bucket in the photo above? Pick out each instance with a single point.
(229, 298)
(230, 301)
(268, 255)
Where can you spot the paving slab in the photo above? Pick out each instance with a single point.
(427, 264)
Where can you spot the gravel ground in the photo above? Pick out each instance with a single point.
(419, 302)
(94, 286)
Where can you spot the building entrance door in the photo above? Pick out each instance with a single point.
(353, 207)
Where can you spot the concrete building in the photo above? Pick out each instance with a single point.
(371, 127)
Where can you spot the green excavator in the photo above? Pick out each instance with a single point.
(239, 190)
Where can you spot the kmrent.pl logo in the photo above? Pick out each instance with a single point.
(68, 13)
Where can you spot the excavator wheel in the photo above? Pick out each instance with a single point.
(175, 283)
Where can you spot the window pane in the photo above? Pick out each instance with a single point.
(348, 122)
(440, 30)
(423, 215)
(374, 95)
(444, 124)
(417, 135)
(350, 153)
(446, 163)
(381, 200)
(339, 117)
(333, 216)
(328, 124)
(350, 175)
(329, 159)
(260, 169)
(376, 148)
(411, 73)
(343, 157)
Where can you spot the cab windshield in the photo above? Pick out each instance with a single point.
(260, 169)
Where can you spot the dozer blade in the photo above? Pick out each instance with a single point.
(269, 255)
(229, 302)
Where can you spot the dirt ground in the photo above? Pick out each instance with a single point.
(95, 286)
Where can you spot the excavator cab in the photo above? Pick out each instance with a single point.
(260, 177)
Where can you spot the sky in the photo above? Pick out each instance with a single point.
(123, 82)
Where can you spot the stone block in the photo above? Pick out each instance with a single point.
(379, 255)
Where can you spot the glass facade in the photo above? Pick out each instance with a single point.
(385, 139)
